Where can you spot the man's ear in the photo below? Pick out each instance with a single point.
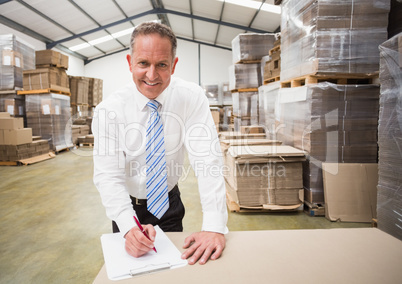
(129, 62)
(174, 65)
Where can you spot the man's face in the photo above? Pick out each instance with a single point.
(151, 64)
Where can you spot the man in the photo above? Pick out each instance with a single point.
(127, 161)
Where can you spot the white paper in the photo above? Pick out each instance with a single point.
(10, 109)
(119, 263)
(46, 109)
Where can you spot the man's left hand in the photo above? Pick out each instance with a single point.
(203, 246)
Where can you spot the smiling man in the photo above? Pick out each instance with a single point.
(142, 132)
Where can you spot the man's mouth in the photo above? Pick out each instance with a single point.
(150, 84)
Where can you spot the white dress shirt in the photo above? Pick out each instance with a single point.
(119, 126)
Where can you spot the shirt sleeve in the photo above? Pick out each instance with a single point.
(203, 148)
(109, 169)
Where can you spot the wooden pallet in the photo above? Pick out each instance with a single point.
(341, 79)
(314, 209)
(50, 65)
(275, 49)
(248, 61)
(233, 206)
(29, 161)
(244, 90)
(61, 91)
(90, 145)
(271, 80)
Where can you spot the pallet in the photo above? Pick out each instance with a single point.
(314, 209)
(50, 65)
(248, 61)
(89, 145)
(29, 161)
(61, 91)
(244, 90)
(271, 80)
(341, 79)
(233, 206)
(66, 149)
(10, 92)
(275, 49)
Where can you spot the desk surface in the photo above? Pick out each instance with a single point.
(365, 255)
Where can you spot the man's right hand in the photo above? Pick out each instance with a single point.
(137, 244)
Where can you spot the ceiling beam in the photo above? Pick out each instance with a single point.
(10, 23)
(220, 19)
(152, 12)
(256, 13)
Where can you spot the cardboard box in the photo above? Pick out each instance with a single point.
(46, 78)
(350, 192)
(11, 123)
(51, 57)
(4, 114)
(17, 136)
(265, 175)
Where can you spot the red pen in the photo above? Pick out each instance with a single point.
(142, 230)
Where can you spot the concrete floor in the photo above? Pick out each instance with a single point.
(52, 218)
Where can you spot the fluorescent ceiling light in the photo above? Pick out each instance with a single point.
(102, 39)
(255, 5)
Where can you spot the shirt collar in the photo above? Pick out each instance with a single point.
(143, 100)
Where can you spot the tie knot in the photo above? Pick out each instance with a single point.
(153, 105)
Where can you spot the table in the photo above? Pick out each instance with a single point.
(363, 255)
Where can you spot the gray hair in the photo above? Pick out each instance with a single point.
(154, 28)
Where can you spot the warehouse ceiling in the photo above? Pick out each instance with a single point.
(94, 29)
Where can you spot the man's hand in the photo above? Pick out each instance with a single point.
(137, 244)
(203, 246)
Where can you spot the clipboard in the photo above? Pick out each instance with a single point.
(120, 265)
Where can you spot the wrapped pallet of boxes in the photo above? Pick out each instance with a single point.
(389, 198)
(265, 177)
(332, 123)
(244, 76)
(332, 36)
(251, 46)
(49, 116)
(15, 57)
(13, 104)
(267, 101)
(245, 109)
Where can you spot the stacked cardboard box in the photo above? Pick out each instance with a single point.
(79, 87)
(16, 56)
(251, 46)
(87, 139)
(49, 116)
(244, 76)
(322, 36)
(332, 123)
(245, 109)
(78, 131)
(95, 91)
(16, 141)
(46, 58)
(46, 78)
(50, 72)
(266, 177)
(389, 205)
(267, 101)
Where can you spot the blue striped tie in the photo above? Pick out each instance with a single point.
(156, 182)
